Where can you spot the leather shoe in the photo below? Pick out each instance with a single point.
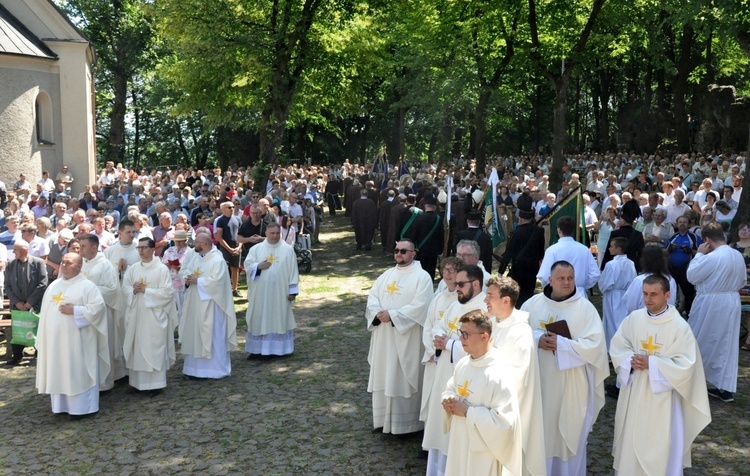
(14, 361)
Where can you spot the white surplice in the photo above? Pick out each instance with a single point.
(514, 341)
(73, 350)
(150, 321)
(396, 347)
(270, 320)
(573, 374)
(104, 274)
(613, 282)
(660, 410)
(487, 441)
(208, 327)
(114, 253)
(448, 326)
(715, 315)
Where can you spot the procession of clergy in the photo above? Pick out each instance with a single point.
(111, 316)
(500, 390)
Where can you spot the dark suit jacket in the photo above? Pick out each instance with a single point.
(26, 284)
(420, 229)
(634, 248)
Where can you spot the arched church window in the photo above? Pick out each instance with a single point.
(43, 116)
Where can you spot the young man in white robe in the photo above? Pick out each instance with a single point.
(513, 338)
(718, 273)
(569, 369)
(613, 282)
(208, 328)
(122, 254)
(72, 342)
(435, 311)
(150, 321)
(446, 339)
(663, 404)
(480, 407)
(395, 314)
(97, 269)
(272, 287)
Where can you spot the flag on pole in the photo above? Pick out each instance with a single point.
(448, 210)
(572, 206)
(490, 211)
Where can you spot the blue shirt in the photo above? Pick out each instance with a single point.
(679, 258)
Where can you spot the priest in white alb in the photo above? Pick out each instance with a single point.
(446, 339)
(571, 370)
(72, 342)
(395, 313)
(718, 273)
(121, 254)
(208, 328)
(480, 407)
(150, 321)
(272, 287)
(97, 269)
(513, 338)
(435, 312)
(663, 402)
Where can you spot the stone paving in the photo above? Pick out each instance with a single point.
(304, 414)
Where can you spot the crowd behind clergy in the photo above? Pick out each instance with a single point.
(644, 215)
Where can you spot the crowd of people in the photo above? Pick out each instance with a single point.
(506, 364)
(673, 292)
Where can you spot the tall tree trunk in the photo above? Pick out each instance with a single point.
(605, 78)
(116, 151)
(685, 66)
(558, 131)
(136, 127)
(401, 132)
(480, 129)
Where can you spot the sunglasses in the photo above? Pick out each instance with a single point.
(461, 284)
(400, 251)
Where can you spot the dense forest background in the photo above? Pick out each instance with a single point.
(222, 82)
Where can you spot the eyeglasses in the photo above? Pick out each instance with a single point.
(142, 247)
(744, 230)
(400, 251)
(449, 270)
(465, 335)
(464, 255)
(461, 284)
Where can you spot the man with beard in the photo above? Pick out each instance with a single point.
(395, 312)
(570, 368)
(447, 344)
